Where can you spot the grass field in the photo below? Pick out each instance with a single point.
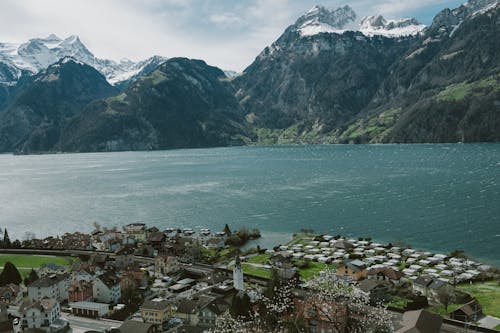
(256, 271)
(25, 263)
(313, 269)
(488, 295)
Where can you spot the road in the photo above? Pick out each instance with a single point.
(81, 325)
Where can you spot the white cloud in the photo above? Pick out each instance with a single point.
(225, 33)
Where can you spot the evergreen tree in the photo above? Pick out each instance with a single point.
(227, 231)
(241, 306)
(32, 277)
(6, 239)
(10, 274)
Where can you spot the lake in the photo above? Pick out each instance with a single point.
(434, 197)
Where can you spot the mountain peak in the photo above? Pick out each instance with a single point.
(378, 25)
(320, 19)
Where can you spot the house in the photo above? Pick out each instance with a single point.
(284, 265)
(6, 324)
(386, 274)
(434, 289)
(10, 294)
(421, 285)
(89, 309)
(156, 239)
(124, 256)
(51, 269)
(80, 291)
(136, 231)
(106, 288)
(53, 286)
(132, 326)
(156, 311)
(133, 280)
(353, 269)
(83, 273)
(201, 310)
(165, 265)
(420, 321)
(376, 290)
(39, 314)
(469, 312)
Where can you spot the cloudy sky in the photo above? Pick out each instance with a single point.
(225, 33)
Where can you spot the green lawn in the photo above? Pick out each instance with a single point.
(256, 271)
(313, 269)
(25, 263)
(398, 303)
(488, 295)
(260, 259)
(440, 310)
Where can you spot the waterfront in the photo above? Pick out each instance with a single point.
(436, 197)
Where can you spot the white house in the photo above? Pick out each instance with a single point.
(39, 314)
(53, 286)
(107, 289)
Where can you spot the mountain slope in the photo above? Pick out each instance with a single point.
(32, 122)
(183, 103)
(314, 79)
(445, 89)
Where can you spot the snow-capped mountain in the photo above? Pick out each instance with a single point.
(38, 53)
(323, 20)
(378, 25)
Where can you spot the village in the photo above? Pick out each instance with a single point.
(142, 279)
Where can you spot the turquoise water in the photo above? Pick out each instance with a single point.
(436, 197)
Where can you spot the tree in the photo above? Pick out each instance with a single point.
(241, 306)
(346, 307)
(10, 274)
(446, 296)
(32, 277)
(6, 239)
(227, 231)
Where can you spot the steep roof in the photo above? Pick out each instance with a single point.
(423, 281)
(49, 280)
(420, 321)
(387, 272)
(155, 305)
(109, 279)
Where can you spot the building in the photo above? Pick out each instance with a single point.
(166, 265)
(124, 256)
(133, 280)
(386, 274)
(156, 311)
(89, 309)
(353, 269)
(6, 325)
(53, 286)
(39, 314)
(469, 312)
(421, 285)
(420, 321)
(80, 291)
(51, 269)
(11, 294)
(376, 290)
(238, 281)
(132, 326)
(201, 310)
(136, 231)
(106, 288)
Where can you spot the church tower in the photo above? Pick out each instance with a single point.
(238, 281)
